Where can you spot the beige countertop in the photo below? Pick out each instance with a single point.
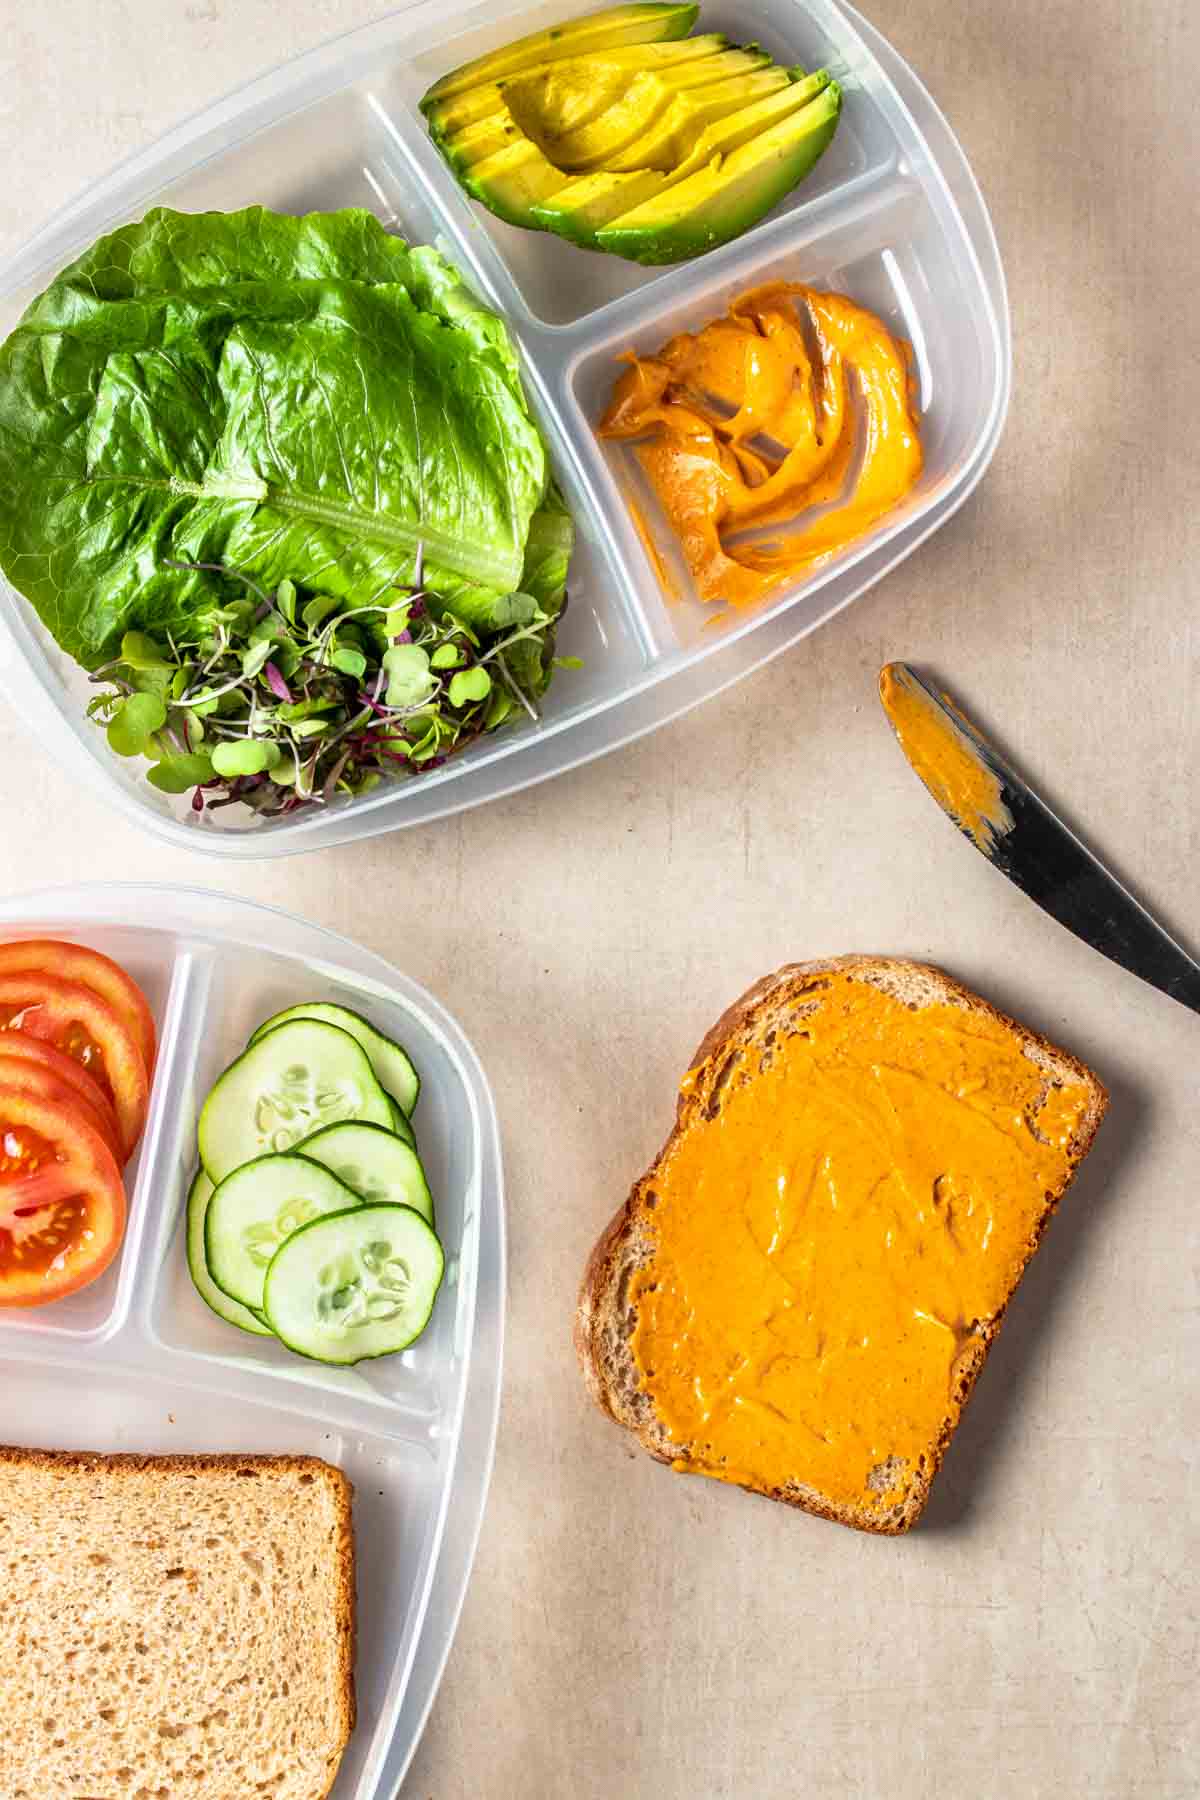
(627, 1632)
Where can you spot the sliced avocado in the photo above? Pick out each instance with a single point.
(674, 134)
(584, 112)
(735, 59)
(511, 182)
(514, 178)
(482, 138)
(573, 109)
(577, 211)
(447, 116)
(606, 30)
(731, 133)
(731, 194)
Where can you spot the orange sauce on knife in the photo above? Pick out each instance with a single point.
(757, 419)
(829, 1241)
(945, 758)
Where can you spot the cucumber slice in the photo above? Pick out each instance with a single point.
(232, 1311)
(355, 1284)
(401, 1126)
(374, 1163)
(392, 1065)
(256, 1209)
(283, 1088)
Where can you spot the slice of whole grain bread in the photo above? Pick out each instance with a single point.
(174, 1625)
(775, 1006)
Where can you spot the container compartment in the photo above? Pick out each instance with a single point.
(886, 250)
(95, 1312)
(396, 1514)
(341, 150)
(159, 1373)
(552, 280)
(242, 987)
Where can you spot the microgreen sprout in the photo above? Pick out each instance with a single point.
(284, 699)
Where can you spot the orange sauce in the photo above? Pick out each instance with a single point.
(756, 420)
(945, 759)
(827, 1246)
(651, 548)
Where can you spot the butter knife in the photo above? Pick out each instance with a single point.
(1020, 836)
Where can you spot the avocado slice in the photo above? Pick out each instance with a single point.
(675, 132)
(583, 113)
(444, 117)
(606, 30)
(451, 115)
(731, 133)
(577, 211)
(512, 181)
(728, 196)
(731, 195)
(648, 164)
(570, 108)
(480, 139)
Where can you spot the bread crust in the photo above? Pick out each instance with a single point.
(123, 1463)
(601, 1318)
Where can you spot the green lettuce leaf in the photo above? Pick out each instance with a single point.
(303, 398)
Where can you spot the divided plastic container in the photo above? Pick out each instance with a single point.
(137, 1362)
(891, 215)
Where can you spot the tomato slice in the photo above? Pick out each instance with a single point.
(74, 1019)
(20, 1047)
(23, 1076)
(62, 1205)
(76, 962)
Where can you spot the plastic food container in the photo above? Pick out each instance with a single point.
(891, 214)
(137, 1362)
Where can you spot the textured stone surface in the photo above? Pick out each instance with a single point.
(628, 1633)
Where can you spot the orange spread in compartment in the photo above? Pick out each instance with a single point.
(827, 1244)
(945, 759)
(754, 420)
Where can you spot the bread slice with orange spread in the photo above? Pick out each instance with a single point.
(800, 1292)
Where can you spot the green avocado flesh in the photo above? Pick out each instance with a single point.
(580, 209)
(609, 30)
(653, 150)
(674, 136)
(730, 194)
(583, 114)
(445, 117)
(511, 182)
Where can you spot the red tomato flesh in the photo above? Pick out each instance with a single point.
(74, 1019)
(62, 1205)
(107, 979)
(25, 1077)
(32, 1052)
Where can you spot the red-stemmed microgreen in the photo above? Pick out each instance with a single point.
(284, 699)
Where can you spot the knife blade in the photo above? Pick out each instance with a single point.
(1018, 833)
